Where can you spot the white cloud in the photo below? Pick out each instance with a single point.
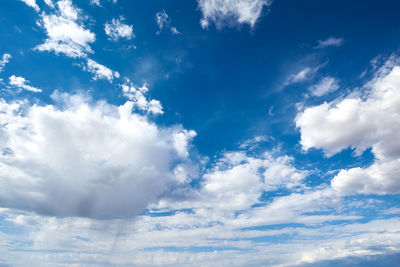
(3, 62)
(230, 12)
(331, 41)
(137, 96)
(95, 3)
(91, 160)
(22, 83)
(360, 122)
(100, 71)
(31, 3)
(65, 32)
(163, 21)
(324, 86)
(117, 29)
(49, 3)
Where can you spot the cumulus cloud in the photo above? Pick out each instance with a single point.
(230, 12)
(324, 86)
(100, 71)
(163, 21)
(21, 82)
(32, 3)
(3, 62)
(137, 96)
(91, 160)
(331, 41)
(65, 31)
(117, 29)
(372, 121)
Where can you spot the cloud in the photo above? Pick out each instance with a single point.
(324, 86)
(3, 62)
(304, 74)
(22, 83)
(229, 12)
(95, 3)
(366, 121)
(100, 71)
(90, 160)
(117, 29)
(163, 21)
(137, 96)
(331, 41)
(31, 3)
(65, 32)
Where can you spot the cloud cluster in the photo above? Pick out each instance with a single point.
(231, 12)
(65, 32)
(116, 30)
(89, 160)
(370, 120)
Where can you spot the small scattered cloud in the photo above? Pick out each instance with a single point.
(100, 71)
(163, 21)
(331, 41)
(116, 29)
(95, 3)
(21, 82)
(65, 32)
(231, 12)
(32, 3)
(137, 96)
(4, 61)
(325, 86)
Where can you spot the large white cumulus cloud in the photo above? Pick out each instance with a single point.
(91, 160)
(371, 120)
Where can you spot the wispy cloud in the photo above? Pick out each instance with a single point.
(116, 29)
(331, 41)
(163, 21)
(21, 82)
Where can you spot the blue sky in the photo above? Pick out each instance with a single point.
(199, 133)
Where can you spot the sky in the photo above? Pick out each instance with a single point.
(199, 133)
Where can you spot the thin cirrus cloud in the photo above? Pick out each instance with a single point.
(365, 122)
(231, 12)
(93, 160)
(331, 41)
(325, 86)
(163, 21)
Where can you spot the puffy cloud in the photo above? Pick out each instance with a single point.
(324, 86)
(117, 29)
(22, 83)
(229, 12)
(372, 121)
(137, 96)
(100, 71)
(3, 62)
(331, 41)
(163, 21)
(65, 32)
(31, 3)
(90, 160)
